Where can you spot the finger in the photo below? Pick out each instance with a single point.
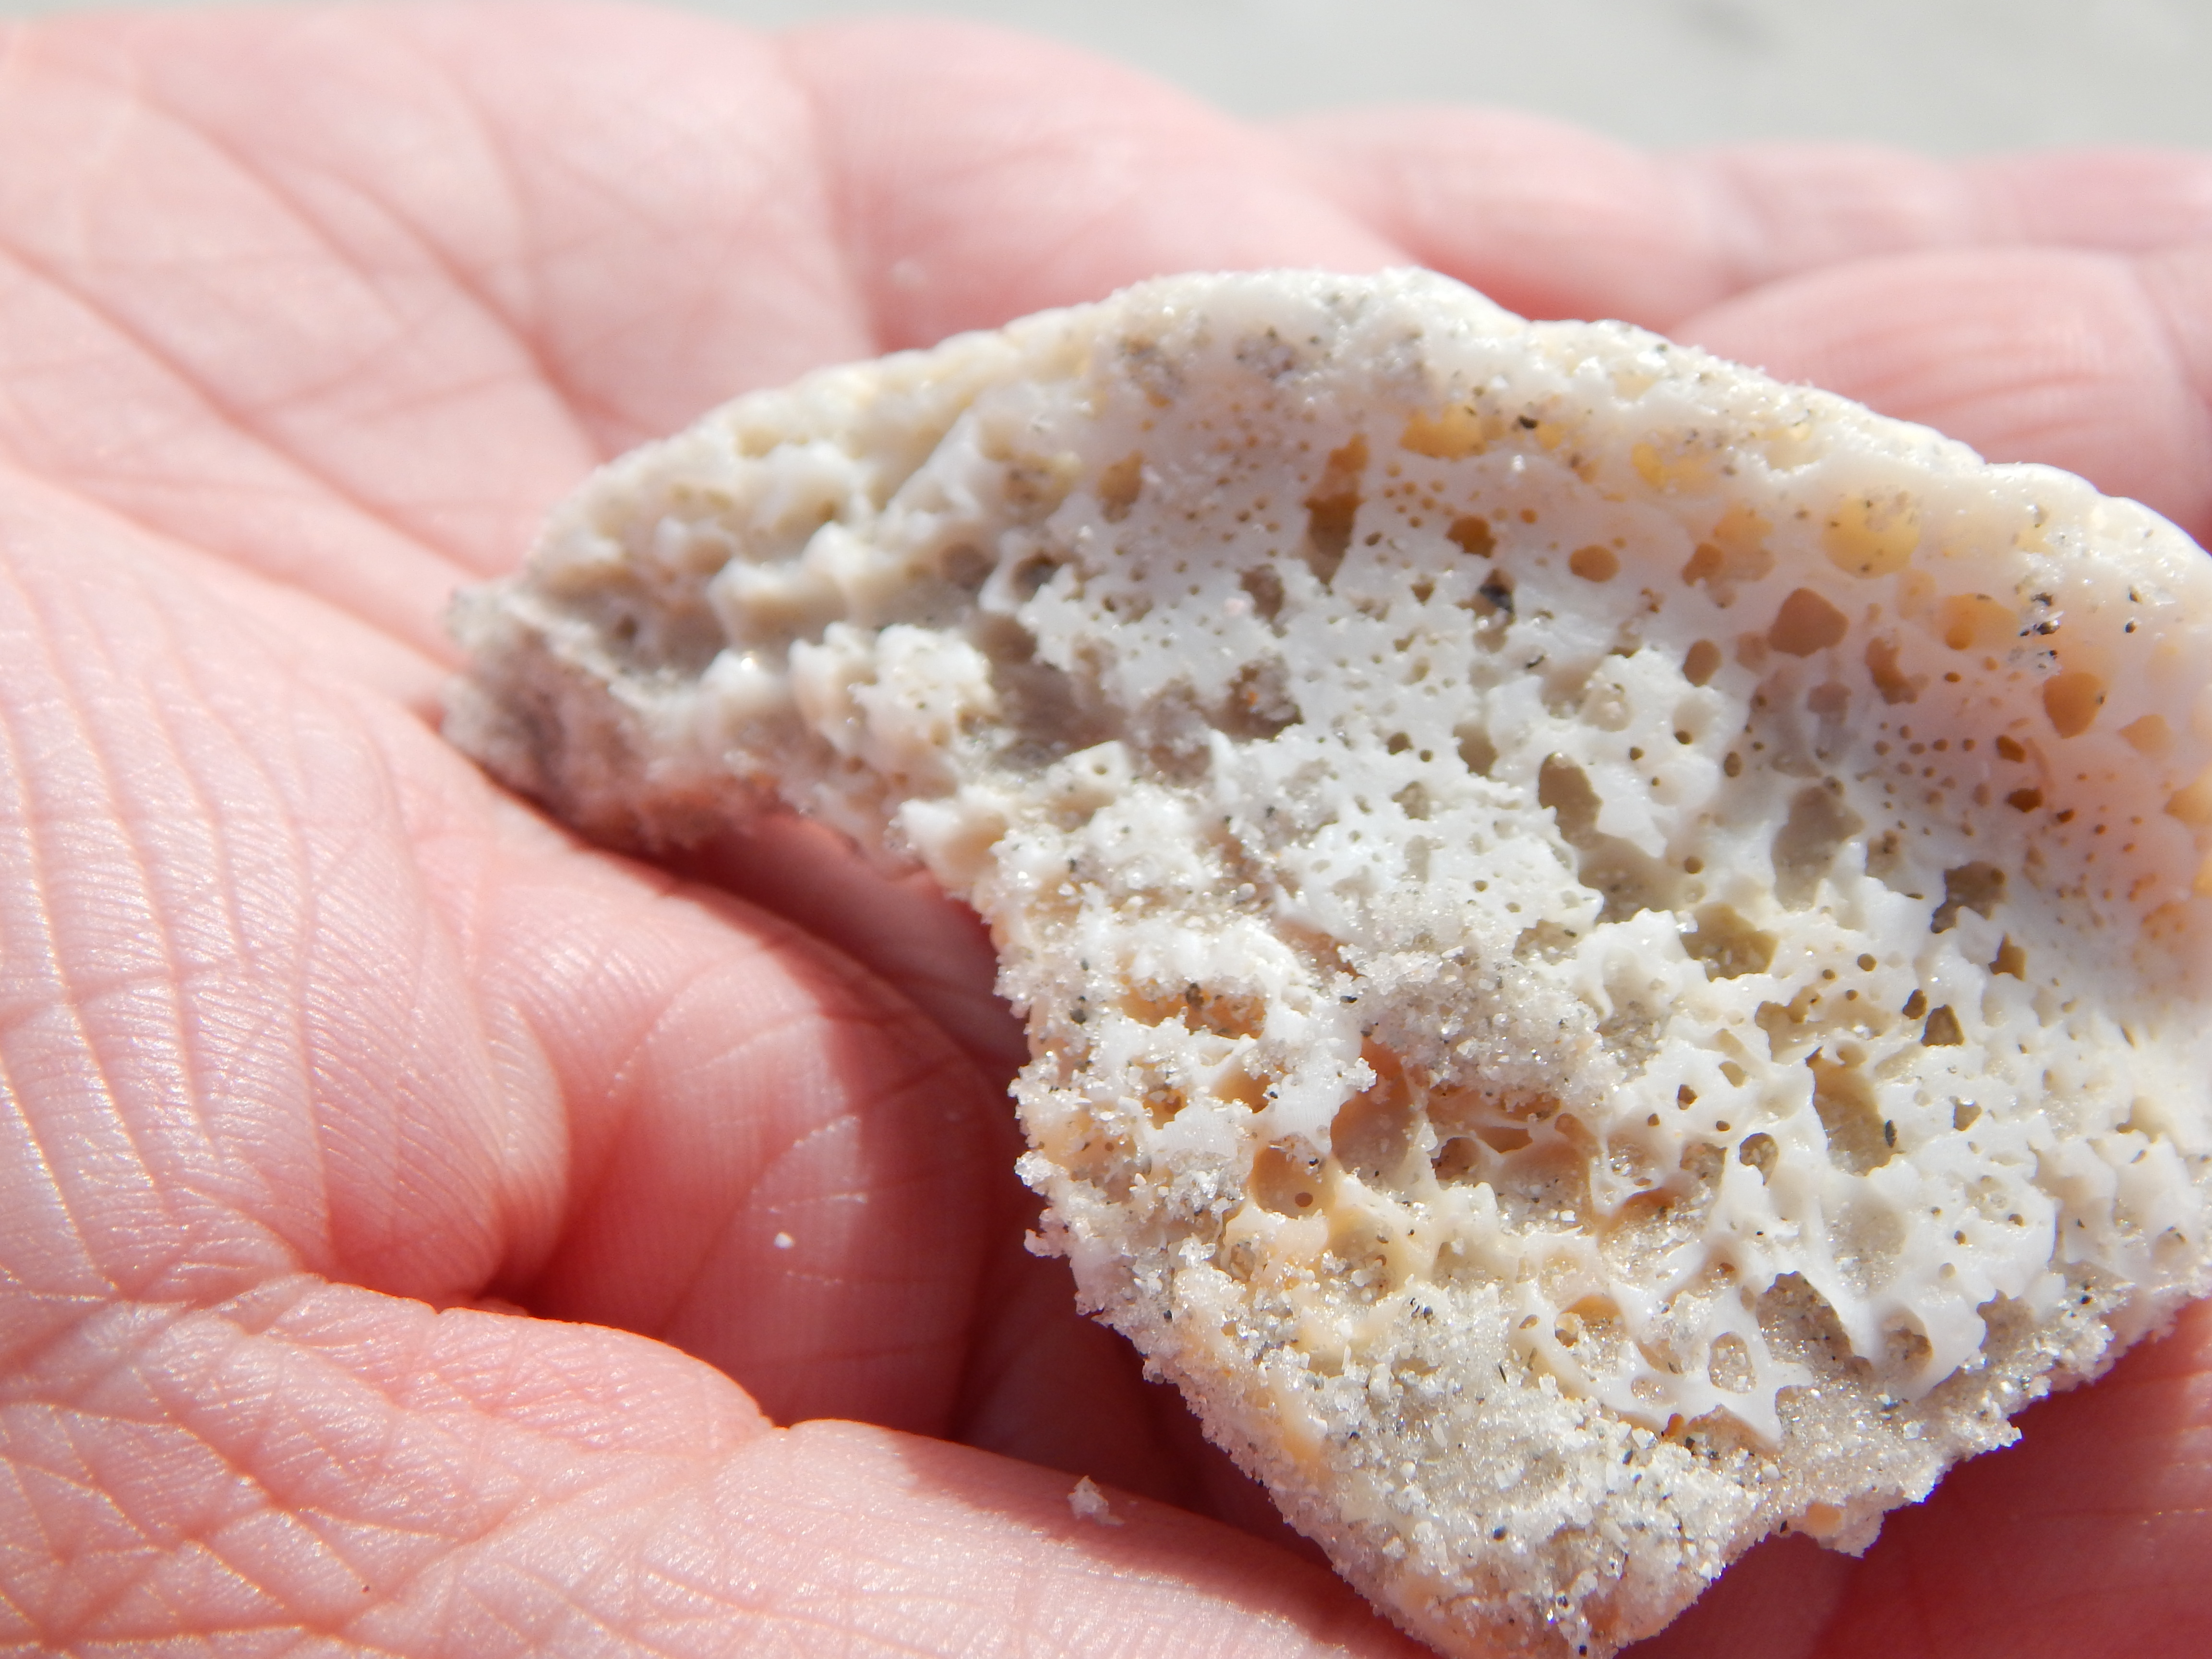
(980, 176)
(311, 1464)
(2072, 359)
(1546, 219)
(2118, 201)
(1553, 221)
(1784, 210)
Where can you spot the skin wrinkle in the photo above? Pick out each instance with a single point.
(37, 1614)
(236, 1546)
(289, 1463)
(14, 1346)
(235, 417)
(71, 1417)
(516, 1154)
(18, 1623)
(283, 618)
(193, 1571)
(249, 1544)
(536, 365)
(834, 1625)
(679, 1279)
(292, 208)
(65, 1001)
(138, 514)
(521, 1515)
(422, 1130)
(604, 430)
(589, 1166)
(168, 717)
(349, 1160)
(631, 1078)
(342, 861)
(770, 224)
(309, 889)
(707, 1603)
(445, 833)
(417, 1127)
(576, 1609)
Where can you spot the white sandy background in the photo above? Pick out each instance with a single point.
(1950, 76)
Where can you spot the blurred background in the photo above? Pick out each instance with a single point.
(1948, 76)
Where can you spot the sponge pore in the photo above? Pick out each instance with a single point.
(1614, 951)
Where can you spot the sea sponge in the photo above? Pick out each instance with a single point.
(1614, 951)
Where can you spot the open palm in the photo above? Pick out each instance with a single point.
(414, 1224)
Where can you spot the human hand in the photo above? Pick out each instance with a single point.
(412, 1222)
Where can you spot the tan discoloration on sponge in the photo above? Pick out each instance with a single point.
(1613, 951)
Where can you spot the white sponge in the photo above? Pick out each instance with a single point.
(1614, 951)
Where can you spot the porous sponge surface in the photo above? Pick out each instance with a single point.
(1614, 950)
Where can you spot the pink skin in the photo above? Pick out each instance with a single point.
(391, 1186)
